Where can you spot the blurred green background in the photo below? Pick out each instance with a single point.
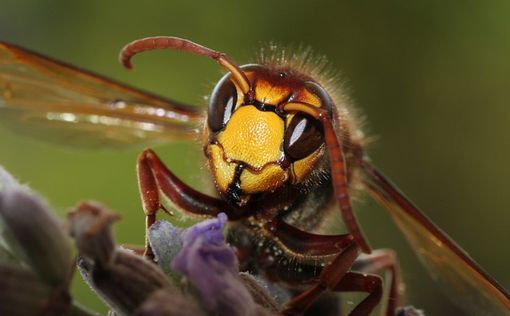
(431, 77)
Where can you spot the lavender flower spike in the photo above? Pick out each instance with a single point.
(211, 267)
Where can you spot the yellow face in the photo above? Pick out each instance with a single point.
(251, 147)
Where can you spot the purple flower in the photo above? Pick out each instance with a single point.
(211, 267)
(211, 230)
(409, 311)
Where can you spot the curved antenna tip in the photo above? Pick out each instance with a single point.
(170, 42)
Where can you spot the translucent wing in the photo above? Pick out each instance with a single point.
(473, 290)
(49, 99)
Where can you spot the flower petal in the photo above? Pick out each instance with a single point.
(166, 242)
(211, 230)
(211, 266)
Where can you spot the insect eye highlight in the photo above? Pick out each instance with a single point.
(303, 136)
(222, 104)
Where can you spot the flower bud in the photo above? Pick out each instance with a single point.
(90, 225)
(35, 234)
(125, 282)
(169, 302)
(22, 292)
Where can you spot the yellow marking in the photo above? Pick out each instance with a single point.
(253, 137)
(271, 177)
(268, 93)
(303, 167)
(306, 96)
(222, 170)
(305, 108)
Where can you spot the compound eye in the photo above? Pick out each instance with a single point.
(303, 136)
(222, 104)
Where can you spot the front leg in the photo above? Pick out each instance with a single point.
(154, 178)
